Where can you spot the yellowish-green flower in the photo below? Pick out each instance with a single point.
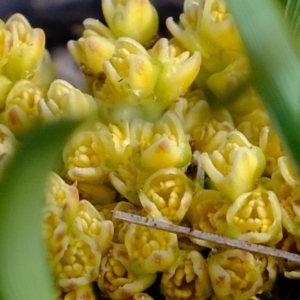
(178, 70)
(150, 250)
(235, 165)
(76, 234)
(136, 19)
(26, 52)
(160, 145)
(235, 274)
(255, 217)
(21, 110)
(168, 194)
(89, 154)
(207, 27)
(116, 278)
(129, 75)
(126, 178)
(94, 47)
(187, 278)
(63, 100)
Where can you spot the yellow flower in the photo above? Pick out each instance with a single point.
(207, 27)
(21, 109)
(178, 70)
(76, 235)
(63, 100)
(26, 52)
(187, 278)
(94, 47)
(255, 217)
(235, 274)
(252, 124)
(150, 250)
(231, 80)
(210, 135)
(204, 213)
(160, 145)
(89, 154)
(129, 75)
(116, 278)
(136, 19)
(235, 165)
(168, 194)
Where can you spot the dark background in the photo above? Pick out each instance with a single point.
(62, 19)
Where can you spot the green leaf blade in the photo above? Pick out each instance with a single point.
(275, 65)
(24, 270)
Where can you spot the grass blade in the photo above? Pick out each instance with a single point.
(275, 64)
(24, 272)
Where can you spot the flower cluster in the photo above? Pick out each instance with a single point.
(154, 110)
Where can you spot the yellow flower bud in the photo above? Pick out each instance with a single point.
(27, 48)
(94, 47)
(136, 19)
(179, 69)
(168, 194)
(235, 165)
(160, 145)
(63, 100)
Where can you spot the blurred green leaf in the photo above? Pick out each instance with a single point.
(292, 15)
(275, 65)
(24, 271)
